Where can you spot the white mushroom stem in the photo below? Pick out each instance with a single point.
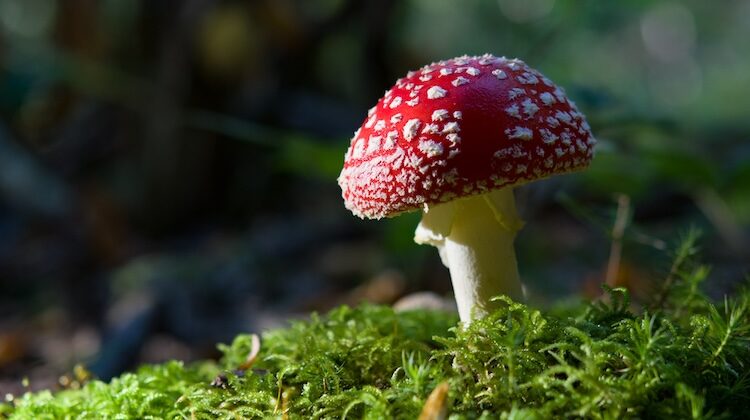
(474, 237)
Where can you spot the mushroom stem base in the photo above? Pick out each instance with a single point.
(475, 239)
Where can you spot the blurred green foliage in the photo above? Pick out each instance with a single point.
(664, 83)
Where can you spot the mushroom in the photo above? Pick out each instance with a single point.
(452, 139)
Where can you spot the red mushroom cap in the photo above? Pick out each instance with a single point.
(461, 127)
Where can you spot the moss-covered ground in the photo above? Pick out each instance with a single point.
(681, 357)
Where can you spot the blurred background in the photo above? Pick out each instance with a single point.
(168, 168)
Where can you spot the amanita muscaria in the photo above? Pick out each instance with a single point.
(452, 140)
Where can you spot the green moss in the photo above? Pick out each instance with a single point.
(686, 358)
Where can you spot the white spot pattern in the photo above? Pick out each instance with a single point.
(440, 114)
(501, 75)
(373, 144)
(384, 175)
(451, 127)
(548, 136)
(436, 92)
(431, 148)
(410, 129)
(515, 93)
(547, 98)
(527, 78)
(390, 139)
(473, 71)
(529, 108)
(522, 133)
(460, 80)
(430, 129)
(513, 111)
